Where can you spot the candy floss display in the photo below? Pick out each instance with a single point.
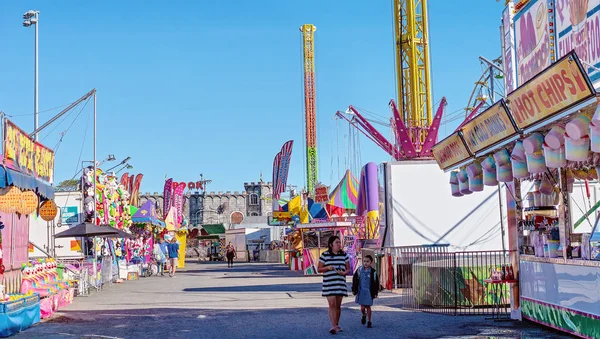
(554, 151)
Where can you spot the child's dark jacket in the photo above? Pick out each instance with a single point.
(374, 282)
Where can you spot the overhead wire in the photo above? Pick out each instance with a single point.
(71, 125)
(40, 112)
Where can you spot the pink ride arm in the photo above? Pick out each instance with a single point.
(382, 141)
(432, 135)
(402, 133)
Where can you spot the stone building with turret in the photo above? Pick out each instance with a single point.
(223, 207)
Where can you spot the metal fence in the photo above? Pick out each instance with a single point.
(431, 278)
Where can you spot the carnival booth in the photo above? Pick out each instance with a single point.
(24, 188)
(543, 143)
(146, 228)
(314, 242)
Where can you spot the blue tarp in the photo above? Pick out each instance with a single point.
(19, 320)
(10, 177)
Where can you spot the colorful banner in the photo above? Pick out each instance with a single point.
(129, 185)
(508, 49)
(577, 23)
(167, 195)
(26, 155)
(534, 37)
(450, 151)
(284, 166)
(124, 179)
(276, 162)
(136, 189)
(178, 199)
(491, 126)
(558, 87)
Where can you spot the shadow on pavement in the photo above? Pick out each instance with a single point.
(278, 323)
(309, 287)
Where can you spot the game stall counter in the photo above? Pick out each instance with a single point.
(548, 142)
(314, 242)
(40, 277)
(18, 312)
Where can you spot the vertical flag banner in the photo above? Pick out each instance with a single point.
(178, 203)
(167, 195)
(124, 180)
(284, 166)
(133, 200)
(276, 162)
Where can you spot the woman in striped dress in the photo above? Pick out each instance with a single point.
(335, 266)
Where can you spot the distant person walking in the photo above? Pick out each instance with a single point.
(164, 246)
(365, 286)
(173, 248)
(335, 266)
(230, 254)
(160, 257)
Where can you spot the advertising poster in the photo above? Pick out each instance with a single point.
(534, 39)
(69, 215)
(508, 49)
(578, 28)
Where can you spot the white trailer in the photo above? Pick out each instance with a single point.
(418, 209)
(41, 233)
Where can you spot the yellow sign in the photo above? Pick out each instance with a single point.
(26, 155)
(556, 88)
(491, 126)
(450, 151)
(281, 215)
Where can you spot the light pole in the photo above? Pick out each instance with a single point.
(119, 164)
(128, 166)
(31, 17)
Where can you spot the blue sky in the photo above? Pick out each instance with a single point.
(215, 87)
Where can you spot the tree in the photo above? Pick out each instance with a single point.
(68, 185)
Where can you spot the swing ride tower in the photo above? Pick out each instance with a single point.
(415, 128)
(310, 109)
(412, 72)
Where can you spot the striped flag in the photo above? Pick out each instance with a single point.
(283, 169)
(276, 162)
(167, 195)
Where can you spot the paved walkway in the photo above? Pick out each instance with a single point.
(249, 301)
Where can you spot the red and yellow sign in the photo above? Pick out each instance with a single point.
(555, 89)
(26, 155)
(450, 151)
(48, 210)
(282, 215)
(491, 126)
(321, 194)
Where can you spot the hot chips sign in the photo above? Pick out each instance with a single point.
(555, 89)
(26, 155)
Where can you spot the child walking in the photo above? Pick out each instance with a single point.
(365, 286)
